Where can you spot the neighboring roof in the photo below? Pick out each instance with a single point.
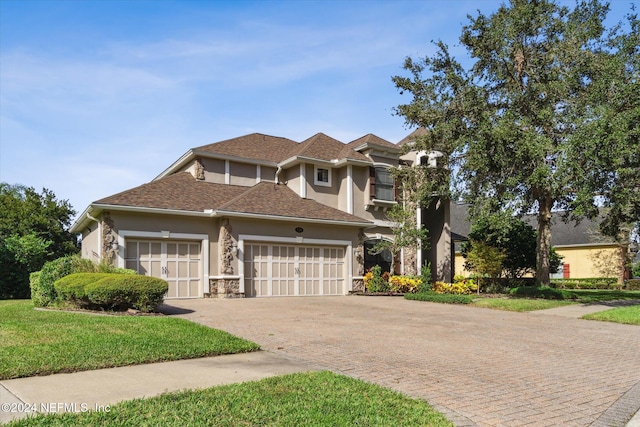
(323, 147)
(458, 220)
(279, 200)
(182, 192)
(562, 233)
(372, 140)
(253, 146)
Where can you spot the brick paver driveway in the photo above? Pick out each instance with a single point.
(478, 366)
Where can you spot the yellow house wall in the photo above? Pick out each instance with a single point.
(591, 261)
(584, 261)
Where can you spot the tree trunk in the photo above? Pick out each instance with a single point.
(543, 246)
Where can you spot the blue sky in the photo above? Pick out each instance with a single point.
(100, 96)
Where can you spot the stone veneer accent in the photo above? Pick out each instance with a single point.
(109, 239)
(360, 252)
(357, 286)
(225, 287)
(226, 247)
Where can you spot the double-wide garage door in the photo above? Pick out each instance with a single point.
(177, 262)
(285, 270)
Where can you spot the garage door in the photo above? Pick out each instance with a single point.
(280, 270)
(176, 262)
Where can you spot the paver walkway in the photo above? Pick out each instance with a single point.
(480, 367)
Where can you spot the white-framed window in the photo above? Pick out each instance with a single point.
(322, 176)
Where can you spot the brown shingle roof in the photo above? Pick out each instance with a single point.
(323, 147)
(253, 146)
(279, 200)
(180, 191)
(371, 139)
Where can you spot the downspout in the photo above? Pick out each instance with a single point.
(278, 173)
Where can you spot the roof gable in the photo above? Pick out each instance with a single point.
(371, 139)
(323, 147)
(255, 146)
(412, 136)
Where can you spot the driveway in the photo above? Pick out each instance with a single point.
(479, 367)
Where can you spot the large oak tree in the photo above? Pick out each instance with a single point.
(512, 124)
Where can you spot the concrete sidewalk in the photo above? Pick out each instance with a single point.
(96, 390)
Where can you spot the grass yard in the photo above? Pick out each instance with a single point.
(518, 304)
(627, 315)
(307, 399)
(34, 342)
(582, 296)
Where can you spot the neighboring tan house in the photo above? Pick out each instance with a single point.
(260, 216)
(586, 253)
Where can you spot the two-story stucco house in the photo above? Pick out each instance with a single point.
(260, 216)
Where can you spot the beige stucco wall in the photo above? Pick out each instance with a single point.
(213, 170)
(242, 174)
(90, 245)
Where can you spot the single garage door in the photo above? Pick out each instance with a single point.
(177, 262)
(281, 270)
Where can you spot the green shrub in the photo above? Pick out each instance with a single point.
(544, 292)
(441, 298)
(108, 268)
(34, 280)
(588, 283)
(632, 284)
(123, 291)
(425, 275)
(70, 288)
(374, 280)
(43, 292)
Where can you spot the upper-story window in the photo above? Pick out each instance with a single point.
(384, 184)
(322, 176)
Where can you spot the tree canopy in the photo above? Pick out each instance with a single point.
(544, 80)
(34, 228)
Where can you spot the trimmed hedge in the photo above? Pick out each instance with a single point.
(632, 284)
(112, 291)
(441, 298)
(588, 283)
(123, 291)
(544, 292)
(71, 288)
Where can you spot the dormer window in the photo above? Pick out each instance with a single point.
(322, 176)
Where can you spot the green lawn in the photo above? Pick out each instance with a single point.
(307, 399)
(582, 296)
(627, 315)
(519, 304)
(34, 342)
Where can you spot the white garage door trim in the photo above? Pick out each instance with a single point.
(347, 244)
(204, 248)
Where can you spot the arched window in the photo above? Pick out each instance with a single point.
(384, 259)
